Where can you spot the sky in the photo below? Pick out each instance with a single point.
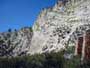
(15, 14)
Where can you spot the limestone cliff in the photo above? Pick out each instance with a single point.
(15, 43)
(55, 29)
(59, 26)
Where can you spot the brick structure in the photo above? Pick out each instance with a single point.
(87, 45)
(79, 45)
(79, 49)
(83, 46)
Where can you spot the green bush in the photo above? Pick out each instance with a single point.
(31, 30)
(46, 60)
(52, 60)
(84, 64)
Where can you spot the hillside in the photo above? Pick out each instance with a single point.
(15, 43)
(55, 29)
(60, 26)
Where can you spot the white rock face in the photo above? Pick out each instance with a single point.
(16, 43)
(59, 26)
(54, 30)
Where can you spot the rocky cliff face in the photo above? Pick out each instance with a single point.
(59, 26)
(55, 29)
(15, 43)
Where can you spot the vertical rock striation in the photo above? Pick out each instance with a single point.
(55, 29)
(59, 26)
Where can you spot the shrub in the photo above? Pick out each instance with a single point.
(31, 30)
(52, 60)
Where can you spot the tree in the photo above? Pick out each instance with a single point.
(9, 30)
(31, 29)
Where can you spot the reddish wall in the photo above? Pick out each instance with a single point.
(80, 44)
(87, 45)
